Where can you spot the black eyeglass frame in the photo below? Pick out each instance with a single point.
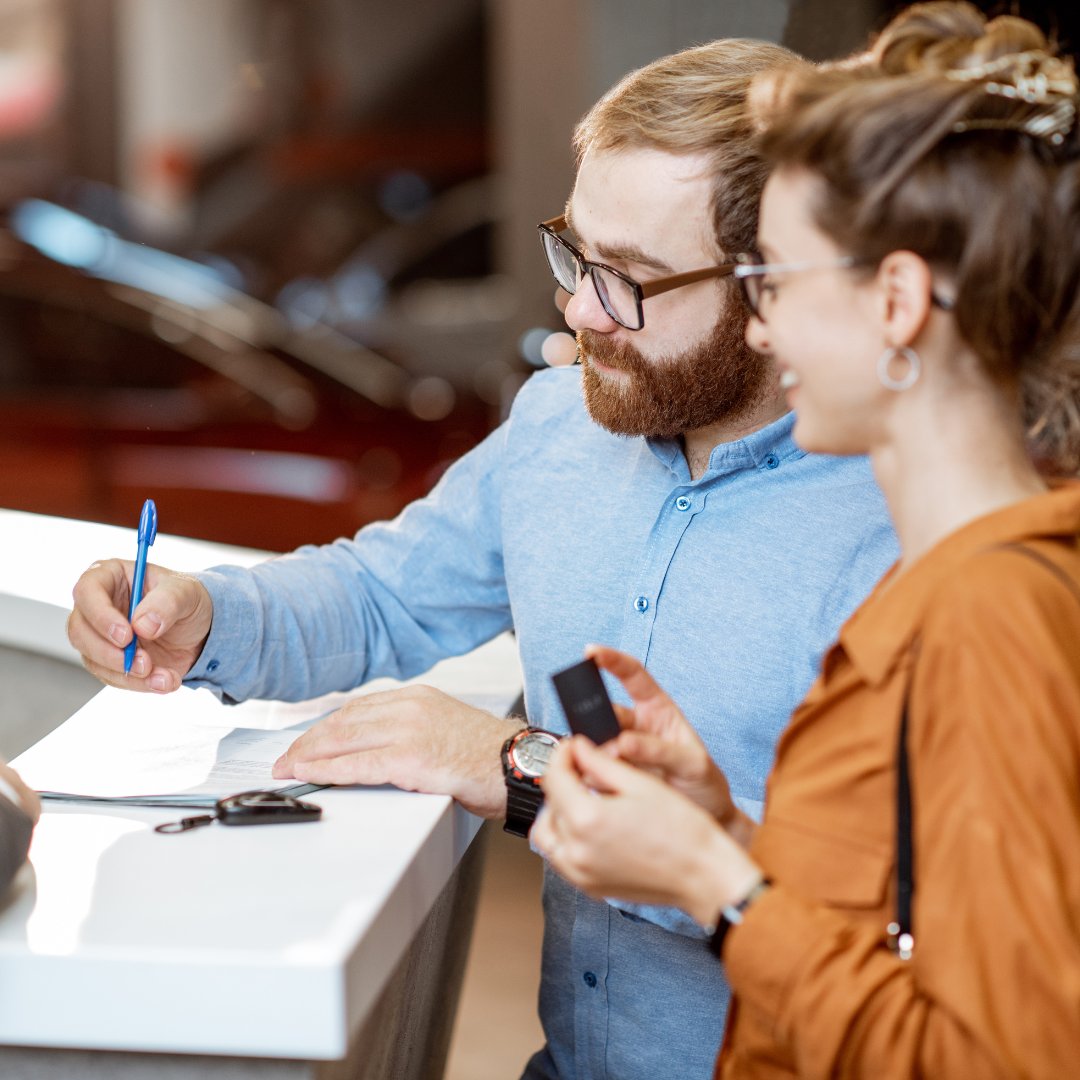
(641, 292)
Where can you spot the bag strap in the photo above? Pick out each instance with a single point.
(900, 937)
(1043, 560)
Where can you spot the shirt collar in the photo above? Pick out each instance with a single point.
(883, 629)
(750, 452)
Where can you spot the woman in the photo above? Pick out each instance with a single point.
(917, 286)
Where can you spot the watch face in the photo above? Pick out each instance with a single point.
(532, 752)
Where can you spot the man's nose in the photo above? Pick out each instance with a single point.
(585, 312)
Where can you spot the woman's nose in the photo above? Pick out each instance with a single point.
(757, 335)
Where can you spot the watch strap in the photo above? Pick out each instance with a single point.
(522, 805)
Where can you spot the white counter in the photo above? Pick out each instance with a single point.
(264, 942)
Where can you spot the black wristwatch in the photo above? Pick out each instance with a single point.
(525, 757)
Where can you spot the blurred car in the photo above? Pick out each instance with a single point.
(128, 373)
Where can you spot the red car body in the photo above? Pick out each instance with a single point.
(242, 429)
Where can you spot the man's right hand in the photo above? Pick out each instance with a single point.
(172, 622)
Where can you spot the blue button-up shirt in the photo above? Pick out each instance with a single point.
(729, 588)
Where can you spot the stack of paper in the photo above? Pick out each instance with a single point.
(185, 749)
(179, 750)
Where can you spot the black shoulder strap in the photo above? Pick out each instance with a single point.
(901, 939)
(900, 935)
(1043, 560)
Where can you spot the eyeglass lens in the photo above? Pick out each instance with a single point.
(562, 263)
(616, 295)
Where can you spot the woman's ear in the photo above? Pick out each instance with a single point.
(906, 285)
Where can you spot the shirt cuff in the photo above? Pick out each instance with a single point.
(236, 611)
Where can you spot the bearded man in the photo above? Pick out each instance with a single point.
(651, 499)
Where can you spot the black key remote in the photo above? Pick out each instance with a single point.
(585, 700)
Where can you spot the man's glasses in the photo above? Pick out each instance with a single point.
(752, 274)
(619, 294)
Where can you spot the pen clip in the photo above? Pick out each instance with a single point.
(148, 523)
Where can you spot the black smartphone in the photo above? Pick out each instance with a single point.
(585, 700)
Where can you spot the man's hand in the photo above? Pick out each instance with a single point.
(172, 622)
(417, 738)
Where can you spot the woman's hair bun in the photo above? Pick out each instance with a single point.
(935, 37)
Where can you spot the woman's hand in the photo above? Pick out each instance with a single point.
(656, 736)
(613, 830)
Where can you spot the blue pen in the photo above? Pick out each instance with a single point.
(147, 535)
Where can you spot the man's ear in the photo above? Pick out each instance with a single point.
(906, 285)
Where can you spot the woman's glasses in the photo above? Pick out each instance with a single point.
(752, 274)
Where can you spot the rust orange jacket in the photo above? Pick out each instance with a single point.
(986, 641)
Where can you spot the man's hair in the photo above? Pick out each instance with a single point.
(694, 102)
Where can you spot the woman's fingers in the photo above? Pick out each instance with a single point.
(647, 751)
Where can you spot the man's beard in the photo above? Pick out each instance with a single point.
(719, 379)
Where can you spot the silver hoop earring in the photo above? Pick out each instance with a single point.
(910, 377)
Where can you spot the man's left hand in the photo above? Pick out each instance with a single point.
(416, 738)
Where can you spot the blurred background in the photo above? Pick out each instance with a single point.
(274, 264)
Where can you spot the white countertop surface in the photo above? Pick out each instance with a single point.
(265, 941)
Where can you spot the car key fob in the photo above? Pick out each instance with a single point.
(585, 700)
(265, 808)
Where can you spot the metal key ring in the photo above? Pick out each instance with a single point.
(185, 824)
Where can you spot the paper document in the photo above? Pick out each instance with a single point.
(185, 749)
(145, 750)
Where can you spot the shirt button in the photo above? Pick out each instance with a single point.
(642, 603)
(213, 666)
(682, 503)
(590, 980)
(772, 462)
